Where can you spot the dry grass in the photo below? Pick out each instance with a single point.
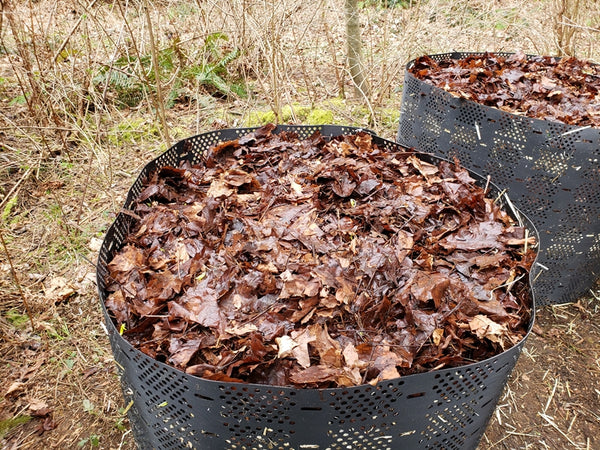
(69, 150)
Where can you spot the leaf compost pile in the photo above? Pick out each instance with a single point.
(563, 90)
(321, 262)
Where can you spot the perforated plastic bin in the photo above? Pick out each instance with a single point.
(551, 171)
(444, 409)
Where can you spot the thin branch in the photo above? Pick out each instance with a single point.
(66, 40)
(159, 94)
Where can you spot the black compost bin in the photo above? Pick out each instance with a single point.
(443, 409)
(551, 171)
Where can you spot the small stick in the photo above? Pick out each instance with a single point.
(500, 195)
(159, 94)
(16, 280)
(551, 422)
(487, 184)
(551, 396)
(66, 40)
(15, 188)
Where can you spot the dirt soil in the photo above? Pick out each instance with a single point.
(552, 400)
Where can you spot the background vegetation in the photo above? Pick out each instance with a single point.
(90, 91)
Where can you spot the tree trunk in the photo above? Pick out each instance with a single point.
(355, 62)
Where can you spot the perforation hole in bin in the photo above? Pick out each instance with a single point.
(591, 173)
(453, 418)
(539, 207)
(561, 132)
(256, 438)
(588, 193)
(514, 128)
(406, 128)
(501, 162)
(560, 251)
(595, 245)
(266, 411)
(463, 156)
(552, 160)
(431, 123)
(369, 404)
(428, 143)
(576, 283)
(413, 87)
(463, 135)
(166, 159)
(375, 438)
(441, 434)
(438, 104)
(507, 153)
(388, 146)
(204, 141)
(308, 131)
(541, 189)
(460, 384)
(472, 118)
(462, 141)
(580, 213)
(411, 104)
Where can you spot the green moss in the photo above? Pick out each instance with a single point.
(132, 131)
(16, 319)
(319, 116)
(389, 117)
(257, 118)
(336, 102)
(295, 112)
(8, 208)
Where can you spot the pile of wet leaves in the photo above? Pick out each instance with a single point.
(318, 262)
(563, 90)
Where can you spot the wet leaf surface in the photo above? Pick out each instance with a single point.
(318, 263)
(562, 90)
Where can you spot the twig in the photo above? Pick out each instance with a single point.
(66, 40)
(551, 422)
(16, 280)
(85, 188)
(551, 396)
(15, 188)
(159, 94)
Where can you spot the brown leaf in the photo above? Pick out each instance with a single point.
(430, 286)
(486, 328)
(315, 375)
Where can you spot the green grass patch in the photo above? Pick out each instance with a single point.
(9, 424)
(8, 208)
(16, 319)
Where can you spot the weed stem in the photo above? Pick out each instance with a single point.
(16, 280)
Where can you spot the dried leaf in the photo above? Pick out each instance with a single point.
(484, 327)
(563, 90)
